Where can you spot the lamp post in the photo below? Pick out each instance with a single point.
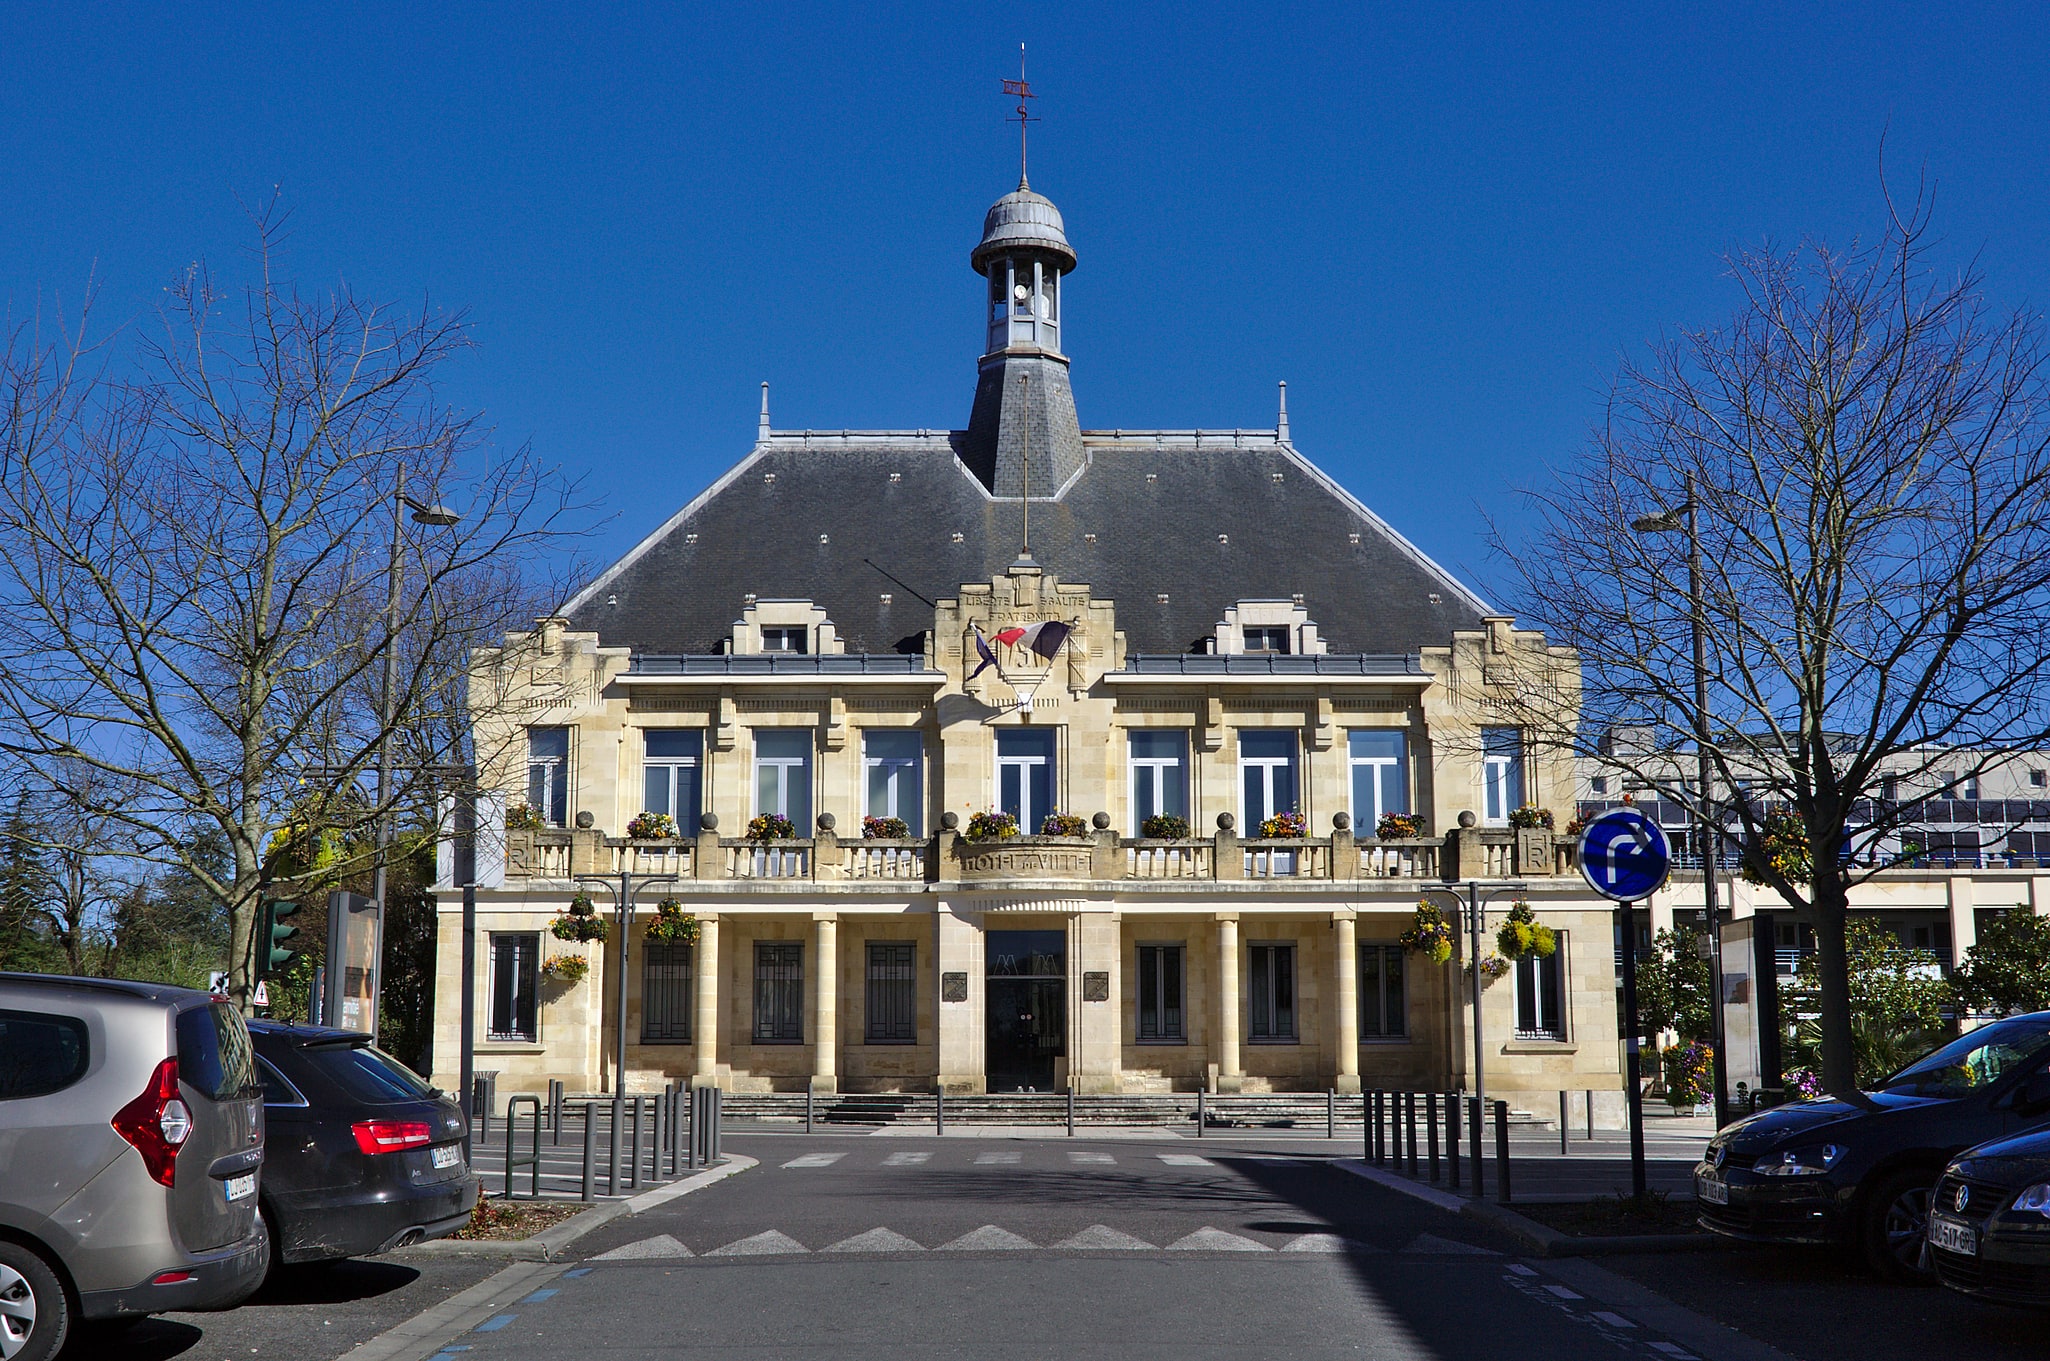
(1709, 834)
(1474, 908)
(623, 889)
(441, 517)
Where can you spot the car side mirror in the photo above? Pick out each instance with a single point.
(2034, 1096)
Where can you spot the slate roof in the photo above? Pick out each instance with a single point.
(850, 518)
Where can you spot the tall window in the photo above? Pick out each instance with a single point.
(1267, 776)
(1025, 775)
(1380, 776)
(785, 640)
(892, 757)
(1540, 998)
(892, 992)
(665, 992)
(1384, 1006)
(1271, 639)
(1160, 776)
(783, 774)
(1501, 774)
(515, 974)
(1271, 993)
(779, 992)
(672, 775)
(1160, 995)
(548, 774)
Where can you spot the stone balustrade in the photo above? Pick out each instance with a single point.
(1464, 853)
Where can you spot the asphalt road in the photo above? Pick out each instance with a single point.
(851, 1246)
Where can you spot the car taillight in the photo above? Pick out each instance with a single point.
(389, 1136)
(157, 1123)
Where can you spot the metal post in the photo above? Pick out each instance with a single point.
(690, 1145)
(1374, 1127)
(1502, 1151)
(1366, 1126)
(1452, 1139)
(939, 1111)
(612, 1147)
(1474, 1133)
(1409, 1118)
(807, 1109)
(633, 1173)
(1710, 833)
(1200, 1117)
(1633, 1097)
(590, 1148)
(1562, 1124)
(1589, 1095)
(1071, 1111)
(713, 1133)
(1473, 899)
(1431, 1125)
(657, 1108)
(466, 1082)
(386, 694)
(1330, 1113)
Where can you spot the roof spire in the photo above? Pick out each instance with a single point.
(1024, 115)
(1281, 423)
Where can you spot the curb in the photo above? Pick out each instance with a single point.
(1542, 1239)
(549, 1244)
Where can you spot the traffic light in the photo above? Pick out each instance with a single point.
(272, 931)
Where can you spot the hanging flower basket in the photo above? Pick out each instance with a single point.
(1063, 824)
(1285, 825)
(1165, 827)
(1429, 934)
(581, 922)
(1524, 934)
(568, 970)
(1399, 826)
(885, 829)
(990, 825)
(523, 817)
(1492, 968)
(1530, 817)
(651, 827)
(673, 924)
(771, 827)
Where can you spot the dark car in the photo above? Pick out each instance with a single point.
(1859, 1171)
(1989, 1220)
(363, 1155)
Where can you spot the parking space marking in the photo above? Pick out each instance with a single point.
(1185, 1160)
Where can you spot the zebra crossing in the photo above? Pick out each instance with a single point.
(1016, 1158)
(996, 1238)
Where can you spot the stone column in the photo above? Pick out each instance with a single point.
(958, 1017)
(1963, 899)
(826, 1005)
(704, 1030)
(1345, 1020)
(1230, 1077)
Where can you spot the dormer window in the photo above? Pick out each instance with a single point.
(1267, 640)
(784, 628)
(785, 640)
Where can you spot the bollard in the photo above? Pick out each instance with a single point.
(590, 1149)
(1200, 1119)
(1590, 1114)
(1409, 1116)
(633, 1164)
(1431, 1125)
(1502, 1151)
(1562, 1124)
(939, 1111)
(718, 1117)
(555, 1111)
(612, 1144)
(1330, 1113)
(480, 1109)
(1452, 1139)
(1366, 1128)
(1071, 1112)
(807, 1109)
(1474, 1135)
(658, 1106)
(1374, 1127)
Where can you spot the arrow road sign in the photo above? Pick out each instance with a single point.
(1624, 856)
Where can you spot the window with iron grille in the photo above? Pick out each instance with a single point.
(779, 992)
(1384, 1004)
(1161, 1011)
(892, 992)
(515, 978)
(1540, 995)
(665, 992)
(1271, 992)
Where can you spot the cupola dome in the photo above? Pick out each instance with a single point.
(1023, 221)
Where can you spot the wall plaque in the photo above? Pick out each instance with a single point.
(953, 987)
(1096, 987)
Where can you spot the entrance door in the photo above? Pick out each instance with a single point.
(1027, 1025)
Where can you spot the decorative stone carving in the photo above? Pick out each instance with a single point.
(1027, 857)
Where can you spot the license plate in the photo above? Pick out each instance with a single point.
(1953, 1235)
(1714, 1190)
(448, 1155)
(240, 1188)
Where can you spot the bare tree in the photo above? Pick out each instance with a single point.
(1867, 454)
(205, 566)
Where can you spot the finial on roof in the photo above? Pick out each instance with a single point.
(1024, 116)
(762, 430)
(1280, 424)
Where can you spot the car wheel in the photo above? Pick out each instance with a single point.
(35, 1315)
(1897, 1226)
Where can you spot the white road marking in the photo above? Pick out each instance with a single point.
(1091, 1158)
(660, 1246)
(1674, 1350)
(815, 1160)
(769, 1243)
(996, 1159)
(1563, 1293)
(1446, 1247)
(1185, 1160)
(905, 1159)
(1521, 1270)
(1326, 1242)
(876, 1240)
(1103, 1237)
(988, 1238)
(1613, 1320)
(1207, 1239)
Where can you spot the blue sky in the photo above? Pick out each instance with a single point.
(1442, 225)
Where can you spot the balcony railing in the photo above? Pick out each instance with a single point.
(1466, 853)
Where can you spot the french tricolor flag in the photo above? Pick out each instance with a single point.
(1044, 638)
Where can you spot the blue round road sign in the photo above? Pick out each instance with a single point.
(1624, 855)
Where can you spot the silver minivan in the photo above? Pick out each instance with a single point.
(131, 1135)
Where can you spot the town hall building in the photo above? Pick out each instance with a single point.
(1022, 757)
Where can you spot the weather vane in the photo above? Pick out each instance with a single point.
(1024, 115)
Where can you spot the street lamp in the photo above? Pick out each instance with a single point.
(1680, 519)
(437, 516)
(623, 890)
(1474, 908)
